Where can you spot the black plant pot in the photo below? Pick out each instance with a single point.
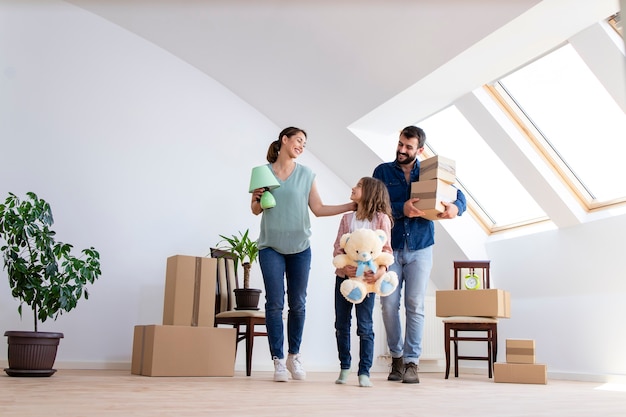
(32, 353)
(247, 298)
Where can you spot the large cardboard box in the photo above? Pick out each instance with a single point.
(190, 291)
(520, 373)
(476, 303)
(520, 351)
(431, 193)
(183, 351)
(438, 167)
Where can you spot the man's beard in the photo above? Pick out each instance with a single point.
(409, 159)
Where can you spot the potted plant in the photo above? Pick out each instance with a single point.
(44, 275)
(243, 250)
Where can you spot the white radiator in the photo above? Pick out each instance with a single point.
(432, 341)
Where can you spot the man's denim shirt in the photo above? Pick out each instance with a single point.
(416, 232)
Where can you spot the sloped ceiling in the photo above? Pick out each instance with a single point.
(317, 64)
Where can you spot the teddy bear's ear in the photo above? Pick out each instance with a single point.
(344, 240)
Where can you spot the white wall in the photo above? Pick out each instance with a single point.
(568, 289)
(144, 157)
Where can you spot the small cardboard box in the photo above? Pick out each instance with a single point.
(520, 351)
(431, 193)
(474, 303)
(190, 291)
(183, 351)
(438, 167)
(520, 373)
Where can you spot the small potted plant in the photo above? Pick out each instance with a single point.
(44, 275)
(243, 250)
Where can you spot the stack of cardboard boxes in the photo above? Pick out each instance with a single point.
(187, 343)
(437, 174)
(520, 366)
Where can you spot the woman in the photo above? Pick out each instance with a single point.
(284, 247)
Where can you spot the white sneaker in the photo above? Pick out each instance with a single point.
(280, 371)
(295, 366)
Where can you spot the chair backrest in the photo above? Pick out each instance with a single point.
(226, 281)
(479, 268)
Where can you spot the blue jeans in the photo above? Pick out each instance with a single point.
(413, 269)
(277, 268)
(364, 329)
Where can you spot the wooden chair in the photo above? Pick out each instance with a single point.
(486, 327)
(245, 321)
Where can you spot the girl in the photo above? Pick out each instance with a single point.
(284, 247)
(373, 212)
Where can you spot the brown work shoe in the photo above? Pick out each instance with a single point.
(410, 374)
(397, 369)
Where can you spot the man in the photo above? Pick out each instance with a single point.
(412, 238)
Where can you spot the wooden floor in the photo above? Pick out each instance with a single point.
(88, 393)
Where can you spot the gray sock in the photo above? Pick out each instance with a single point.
(343, 376)
(364, 381)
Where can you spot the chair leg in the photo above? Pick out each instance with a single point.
(490, 352)
(236, 327)
(447, 346)
(495, 343)
(249, 346)
(456, 354)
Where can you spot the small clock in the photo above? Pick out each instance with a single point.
(471, 282)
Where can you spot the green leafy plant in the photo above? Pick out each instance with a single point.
(43, 273)
(244, 249)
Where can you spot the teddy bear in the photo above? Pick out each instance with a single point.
(364, 249)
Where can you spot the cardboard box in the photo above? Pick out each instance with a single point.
(438, 167)
(475, 303)
(183, 351)
(520, 373)
(190, 291)
(520, 351)
(431, 193)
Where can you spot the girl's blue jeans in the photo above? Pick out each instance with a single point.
(364, 329)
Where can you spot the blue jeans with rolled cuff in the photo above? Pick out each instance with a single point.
(365, 329)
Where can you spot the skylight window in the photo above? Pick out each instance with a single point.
(575, 121)
(615, 22)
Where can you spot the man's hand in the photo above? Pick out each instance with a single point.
(450, 212)
(410, 210)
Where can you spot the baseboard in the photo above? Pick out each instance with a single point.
(381, 365)
(567, 376)
(115, 366)
(562, 376)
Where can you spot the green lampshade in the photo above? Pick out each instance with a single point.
(262, 177)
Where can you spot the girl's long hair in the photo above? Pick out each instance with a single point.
(374, 198)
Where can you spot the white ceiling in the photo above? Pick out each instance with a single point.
(324, 64)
